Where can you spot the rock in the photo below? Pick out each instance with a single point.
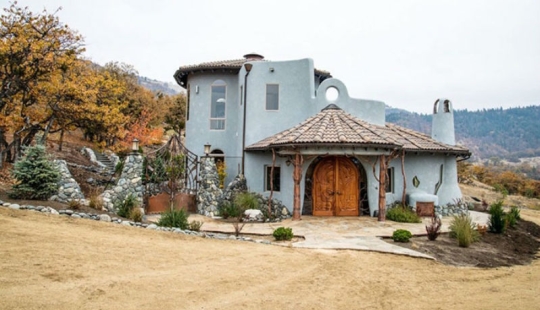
(68, 212)
(126, 223)
(90, 180)
(152, 227)
(53, 211)
(253, 214)
(1, 203)
(14, 206)
(104, 218)
(232, 237)
(284, 211)
(76, 216)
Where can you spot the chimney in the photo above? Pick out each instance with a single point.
(253, 57)
(442, 125)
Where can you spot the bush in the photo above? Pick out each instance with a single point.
(513, 217)
(403, 214)
(401, 235)
(517, 213)
(283, 233)
(246, 201)
(74, 204)
(95, 202)
(174, 218)
(434, 228)
(463, 229)
(228, 209)
(37, 177)
(497, 219)
(124, 208)
(136, 215)
(195, 225)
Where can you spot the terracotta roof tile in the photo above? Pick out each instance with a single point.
(334, 126)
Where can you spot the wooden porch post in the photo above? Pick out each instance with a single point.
(382, 189)
(297, 177)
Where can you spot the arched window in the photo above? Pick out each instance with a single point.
(218, 105)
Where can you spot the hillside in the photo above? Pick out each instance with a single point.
(505, 133)
(159, 86)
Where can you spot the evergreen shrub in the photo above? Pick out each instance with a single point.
(36, 175)
(401, 235)
(497, 218)
(283, 233)
(403, 214)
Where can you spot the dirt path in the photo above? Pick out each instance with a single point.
(52, 262)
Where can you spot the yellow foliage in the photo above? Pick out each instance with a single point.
(222, 174)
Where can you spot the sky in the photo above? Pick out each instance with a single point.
(478, 54)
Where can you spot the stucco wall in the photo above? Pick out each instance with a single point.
(198, 131)
(426, 167)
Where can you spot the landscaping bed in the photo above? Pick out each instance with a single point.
(518, 246)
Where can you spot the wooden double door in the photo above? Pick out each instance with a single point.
(335, 187)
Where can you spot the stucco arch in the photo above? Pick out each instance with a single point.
(363, 204)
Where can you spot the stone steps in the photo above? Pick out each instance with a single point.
(105, 160)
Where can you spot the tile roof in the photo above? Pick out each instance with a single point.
(333, 126)
(233, 65)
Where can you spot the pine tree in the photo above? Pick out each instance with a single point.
(37, 176)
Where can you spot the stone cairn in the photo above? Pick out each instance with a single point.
(129, 183)
(209, 192)
(68, 188)
(238, 185)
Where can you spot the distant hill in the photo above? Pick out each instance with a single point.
(508, 134)
(158, 86)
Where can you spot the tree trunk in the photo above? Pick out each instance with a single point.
(382, 189)
(46, 131)
(404, 194)
(297, 177)
(61, 142)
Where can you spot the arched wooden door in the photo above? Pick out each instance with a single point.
(335, 187)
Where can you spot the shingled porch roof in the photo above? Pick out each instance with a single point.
(335, 127)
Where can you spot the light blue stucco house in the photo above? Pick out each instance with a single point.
(330, 154)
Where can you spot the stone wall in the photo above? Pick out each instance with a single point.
(209, 191)
(68, 188)
(130, 182)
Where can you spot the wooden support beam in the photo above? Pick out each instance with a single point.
(297, 177)
(382, 188)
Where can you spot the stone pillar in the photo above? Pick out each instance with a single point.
(130, 182)
(209, 191)
(68, 188)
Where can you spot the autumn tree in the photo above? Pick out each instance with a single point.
(176, 115)
(33, 47)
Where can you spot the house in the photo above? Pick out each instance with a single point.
(294, 131)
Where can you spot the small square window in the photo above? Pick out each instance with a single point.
(272, 97)
(276, 179)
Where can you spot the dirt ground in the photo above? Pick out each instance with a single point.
(53, 262)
